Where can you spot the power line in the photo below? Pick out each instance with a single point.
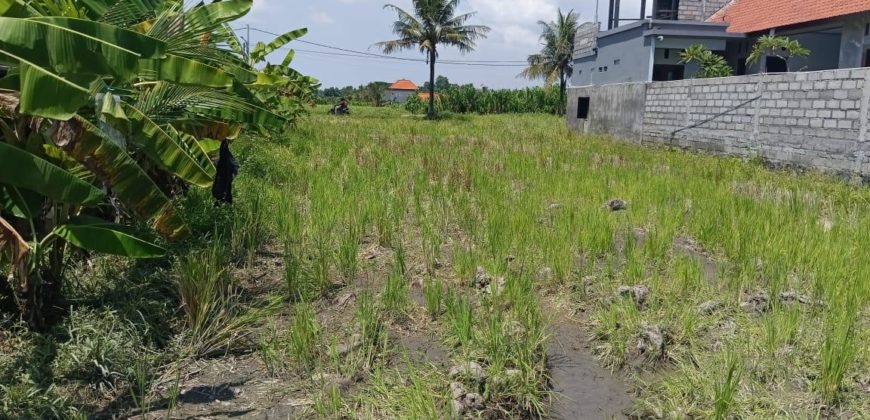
(482, 63)
(368, 57)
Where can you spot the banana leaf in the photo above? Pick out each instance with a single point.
(21, 169)
(20, 203)
(60, 58)
(182, 27)
(79, 46)
(108, 238)
(209, 146)
(111, 164)
(186, 71)
(261, 51)
(166, 148)
(13, 8)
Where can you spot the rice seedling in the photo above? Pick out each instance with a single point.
(329, 403)
(271, 352)
(839, 348)
(304, 338)
(433, 292)
(141, 387)
(415, 392)
(372, 330)
(249, 229)
(727, 386)
(459, 317)
(395, 298)
(348, 249)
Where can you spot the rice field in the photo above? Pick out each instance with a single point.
(383, 266)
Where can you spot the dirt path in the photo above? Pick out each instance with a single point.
(584, 390)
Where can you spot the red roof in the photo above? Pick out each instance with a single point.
(403, 84)
(424, 96)
(761, 15)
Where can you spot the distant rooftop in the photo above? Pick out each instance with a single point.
(403, 84)
(759, 15)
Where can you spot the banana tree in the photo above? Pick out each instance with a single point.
(278, 85)
(88, 127)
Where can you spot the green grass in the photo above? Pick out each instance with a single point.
(523, 197)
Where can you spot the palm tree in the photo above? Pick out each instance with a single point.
(434, 22)
(554, 61)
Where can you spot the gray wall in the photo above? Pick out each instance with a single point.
(814, 119)
(616, 109)
(700, 10)
(400, 96)
(853, 42)
(586, 39)
(627, 47)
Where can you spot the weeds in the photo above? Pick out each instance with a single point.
(217, 319)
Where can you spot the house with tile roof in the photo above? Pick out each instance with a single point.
(401, 91)
(648, 46)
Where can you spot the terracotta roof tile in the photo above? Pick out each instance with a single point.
(761, 15)
(403, 84)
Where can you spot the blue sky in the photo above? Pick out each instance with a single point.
(358, 24)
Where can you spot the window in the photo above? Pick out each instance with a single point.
(666, 9)
(867, 58)
(665, 72)
(616, 62)
(741, 66)
(583, 107)
(667, 53)
(776, 65)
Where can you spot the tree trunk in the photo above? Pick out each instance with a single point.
(562, 86)
(431, 113)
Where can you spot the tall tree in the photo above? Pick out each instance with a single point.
(553, 63)
(433, 23)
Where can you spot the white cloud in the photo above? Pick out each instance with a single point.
(514, 11)
(321, 17)
(513, 22)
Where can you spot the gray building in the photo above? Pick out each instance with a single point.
(648, 47)
(643, 51)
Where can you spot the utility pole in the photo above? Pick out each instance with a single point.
(597, 3)
(248, 41)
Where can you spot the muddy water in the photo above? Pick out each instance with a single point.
(584, 390)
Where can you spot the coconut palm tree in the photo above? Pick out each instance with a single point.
(553, 63)
(433, 23)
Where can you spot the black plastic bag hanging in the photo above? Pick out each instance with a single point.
(227, 169)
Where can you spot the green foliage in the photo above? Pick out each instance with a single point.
(468, 99)
(124, 97)
(712, 64)
(776, 46)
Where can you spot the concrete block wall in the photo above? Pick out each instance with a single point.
(700, 10)
(814, 119)
(586, 40)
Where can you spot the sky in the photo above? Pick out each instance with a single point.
(359, 24)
